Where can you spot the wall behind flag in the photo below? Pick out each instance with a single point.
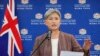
(79, 17)
(3, 41)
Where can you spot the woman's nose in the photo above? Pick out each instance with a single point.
(53, 20)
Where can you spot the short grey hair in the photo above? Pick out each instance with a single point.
(51, 11)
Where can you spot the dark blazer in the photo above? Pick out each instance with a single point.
(66, 42)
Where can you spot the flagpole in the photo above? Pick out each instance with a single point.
(11, 46)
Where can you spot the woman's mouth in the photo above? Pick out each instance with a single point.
(54, 25)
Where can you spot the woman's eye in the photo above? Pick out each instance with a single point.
(50, 18)
(56, 18)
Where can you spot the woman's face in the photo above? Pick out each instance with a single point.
(53, 21)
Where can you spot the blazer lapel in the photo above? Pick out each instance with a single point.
(61, 43)
(48, 48)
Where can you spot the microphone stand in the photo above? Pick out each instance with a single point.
(47, 37)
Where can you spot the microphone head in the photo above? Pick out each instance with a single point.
(49, 35)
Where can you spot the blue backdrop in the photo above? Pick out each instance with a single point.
(79, 17)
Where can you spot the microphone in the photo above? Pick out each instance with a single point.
(48, 36)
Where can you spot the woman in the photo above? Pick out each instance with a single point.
(59, 41)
